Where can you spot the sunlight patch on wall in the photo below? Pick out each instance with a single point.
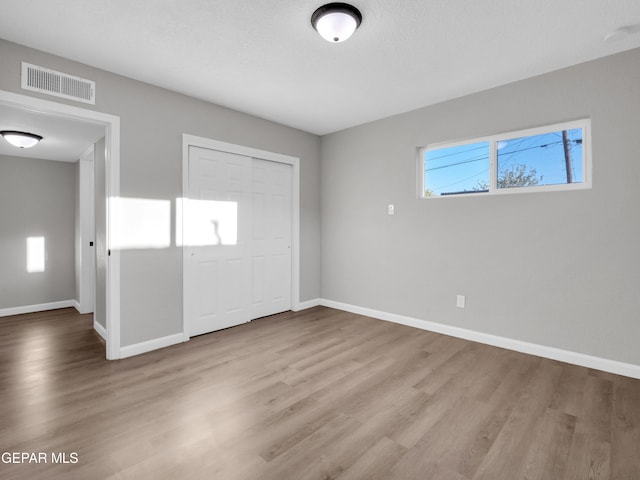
(208, 222)
(35, 254)
(142, 223)
(181, 204)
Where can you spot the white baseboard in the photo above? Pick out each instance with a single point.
(41, 307)
(575, 358)
(100, 330)
(77, 306)
(305, 305)
(155, 344)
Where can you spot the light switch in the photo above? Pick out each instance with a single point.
(391, 209)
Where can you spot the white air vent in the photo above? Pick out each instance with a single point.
(45, 80)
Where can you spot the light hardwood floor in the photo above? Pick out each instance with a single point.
(320, 394)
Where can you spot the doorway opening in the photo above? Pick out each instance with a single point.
(109, 289)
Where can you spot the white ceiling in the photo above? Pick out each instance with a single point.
(64, 139)
(263, 57)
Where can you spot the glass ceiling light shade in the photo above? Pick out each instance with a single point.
(21, 139)
(336, 22)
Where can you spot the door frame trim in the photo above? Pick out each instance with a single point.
(211, 144)
(86, 291)
(112, 192)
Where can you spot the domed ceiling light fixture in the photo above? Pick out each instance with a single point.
(336, 22)
(20, 139)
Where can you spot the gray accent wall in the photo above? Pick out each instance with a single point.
(153, 121)
(37, 199)
(557, 269)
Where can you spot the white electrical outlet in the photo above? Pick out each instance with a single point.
(391, 209)
(460, 301)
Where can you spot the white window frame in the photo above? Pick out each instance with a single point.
(586, 183)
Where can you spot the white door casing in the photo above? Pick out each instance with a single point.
(86, 289)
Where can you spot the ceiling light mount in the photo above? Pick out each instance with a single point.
(20, 139)
(336, 22)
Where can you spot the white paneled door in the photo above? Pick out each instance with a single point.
(237, 236)
(270, 238)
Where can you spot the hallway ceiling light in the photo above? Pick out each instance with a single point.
(21, 139)
(336, 22)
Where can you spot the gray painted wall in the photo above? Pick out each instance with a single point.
(557, 269)
(152, 123)
(37, 198)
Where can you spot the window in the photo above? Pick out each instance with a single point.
(539, 159)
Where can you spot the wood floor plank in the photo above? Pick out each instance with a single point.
(314, 395)
(520, 428)
(548, 455)
(474, 448)
(376, 463)
(625, 434)
(590, 452)
(568, 395)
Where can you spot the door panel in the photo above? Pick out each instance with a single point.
(208, 275)
(217, 235)
(271, 238)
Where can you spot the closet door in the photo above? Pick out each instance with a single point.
(217, 238)
(271, 238)
(237, 236)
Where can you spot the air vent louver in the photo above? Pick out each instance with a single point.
(51, 82)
